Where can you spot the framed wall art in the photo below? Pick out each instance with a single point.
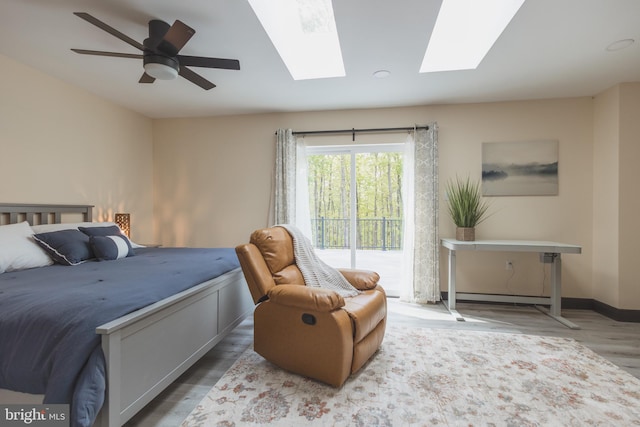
(521, 168)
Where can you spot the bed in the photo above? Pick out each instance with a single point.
(147, 342)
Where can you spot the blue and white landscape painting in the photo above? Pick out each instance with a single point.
(526, 168)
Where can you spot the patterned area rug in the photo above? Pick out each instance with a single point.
(435, 377)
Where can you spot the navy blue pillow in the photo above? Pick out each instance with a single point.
(67, 247)
(112, 230)
(107, 248)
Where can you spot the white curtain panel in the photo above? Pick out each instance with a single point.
(421, 269)
(290, 192)
(285, 178)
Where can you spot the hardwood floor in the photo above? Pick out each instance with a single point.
(616, 341)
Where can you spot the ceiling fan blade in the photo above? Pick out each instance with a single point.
(201, 61)
(196, 78)
(146, 78)
(101, 53)
(98, 23)
(176, 37)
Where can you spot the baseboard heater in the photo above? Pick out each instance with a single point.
(618, 314)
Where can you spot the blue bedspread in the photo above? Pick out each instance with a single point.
(48, 317)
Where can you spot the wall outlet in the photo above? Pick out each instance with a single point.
(508, 265)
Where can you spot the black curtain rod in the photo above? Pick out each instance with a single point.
(353, 131)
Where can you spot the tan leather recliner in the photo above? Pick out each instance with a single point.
(309, 331)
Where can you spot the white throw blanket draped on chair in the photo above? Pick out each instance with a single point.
(317, 273)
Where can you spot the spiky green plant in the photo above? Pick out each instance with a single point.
(466, 207)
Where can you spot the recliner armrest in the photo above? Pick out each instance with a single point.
(307, 298)
(360, 279)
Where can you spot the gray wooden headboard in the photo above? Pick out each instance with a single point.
(36, 214)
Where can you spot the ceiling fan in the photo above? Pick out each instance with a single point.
(160, 52)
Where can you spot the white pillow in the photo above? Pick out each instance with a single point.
(18, 250)
(46, 228)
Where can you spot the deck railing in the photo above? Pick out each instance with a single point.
(372, 233)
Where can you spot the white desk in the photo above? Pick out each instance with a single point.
(549, 253)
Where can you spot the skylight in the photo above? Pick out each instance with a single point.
(304, 34)
(465, 31)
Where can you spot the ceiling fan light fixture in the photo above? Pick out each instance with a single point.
(161, 67)
(160, 52)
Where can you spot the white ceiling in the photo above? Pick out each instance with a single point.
(552, 48)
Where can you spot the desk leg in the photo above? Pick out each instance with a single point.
(451, 306)
(556, 286)
(452, 280)
(555, 310)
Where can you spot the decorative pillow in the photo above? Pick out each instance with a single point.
(18, 250)
(107, 248)
(47, 228)
(67, 247)
(112, 230)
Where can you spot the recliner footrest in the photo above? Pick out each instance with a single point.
(366, 310)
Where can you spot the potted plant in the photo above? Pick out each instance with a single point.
(466, 207)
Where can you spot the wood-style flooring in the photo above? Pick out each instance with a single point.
(616, 341)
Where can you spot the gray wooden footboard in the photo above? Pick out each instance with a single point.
(150, 348)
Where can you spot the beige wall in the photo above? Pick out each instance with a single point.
(605, 197)
(213, 179)
(629, 195)
(61, 144)
(616, 203)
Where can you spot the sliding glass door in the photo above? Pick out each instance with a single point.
(356, 208)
